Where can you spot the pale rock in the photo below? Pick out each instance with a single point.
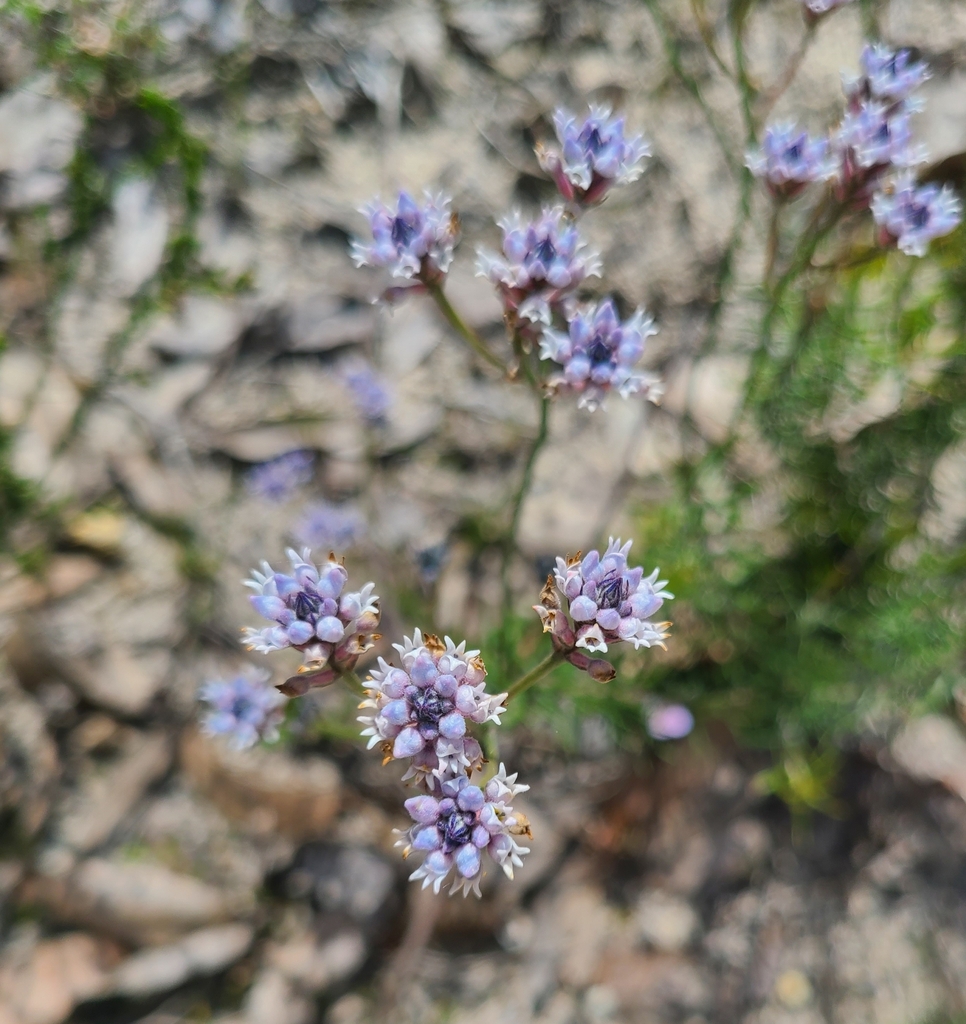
(37, 139)
(660, 984)
(666, 922)
(51, 414)
(575, 476)
(122, 678)
(273, 999)
(473, 296)
(267, 790)
(945, 518)
(268, 151)
(156, 489)
(200, 953)
(21, 370)
(844, 418)
(347, 881)
(715, 390)
(746, 847)
(139, 236)
(168, 391)
(411, 331)
(320, 322)
(930, 24)
(41, 984)
(494, 25)
(106, 794)
(314, 965)
(933, 749)
(413, 416)
(203, 327)
(86, 324)
(658, 445)
(137, 901)
(28, 755)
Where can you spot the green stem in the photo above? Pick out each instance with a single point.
(510, 537)
(353, 682)
(552, 660)
(462, 327)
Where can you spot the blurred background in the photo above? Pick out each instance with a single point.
(179, 183)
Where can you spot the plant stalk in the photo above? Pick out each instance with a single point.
(462, 327)
(552, 660)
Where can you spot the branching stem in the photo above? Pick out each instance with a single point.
(552, 660)
(463, 328)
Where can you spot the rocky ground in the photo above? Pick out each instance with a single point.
(148, 874)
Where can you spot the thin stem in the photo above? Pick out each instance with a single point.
(510, 537)
(707, 36)
(552, 660)
(774, 94)
(353, 682)
(462, 327)
(771, 251)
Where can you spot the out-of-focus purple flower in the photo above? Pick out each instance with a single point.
(430, 561)
(598, 354)
(873, 140)
(607, 602)
(789, 160)
(280, 478)
(816, 8)
(369, 392)
(669, 722)
(594, 155)
(244, 709)
(466, 821)
(329, 527)
(542, 260)
(313, 613)
(888, 75)
(413, 240)
(911, 215)
(423, 708)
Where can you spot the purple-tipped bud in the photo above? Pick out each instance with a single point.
(911, 215)
(244, 709)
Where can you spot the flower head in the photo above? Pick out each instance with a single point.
(669, 722)
(912, 215)
(312, 612)
(244, 709)
(594, 155)
(598, 354)
(415, 241)
(873, 139)
(542, 260)
(280, 478)
(790, 159)
(421, 710)
(888, 75)
(607, 601)
(466, 821)
(369, 393)
(324, 525)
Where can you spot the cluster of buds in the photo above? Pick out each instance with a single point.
(420, 713)
(874, 141)
(244, 709)
(542, 263)
(594, 601)
(313, 613)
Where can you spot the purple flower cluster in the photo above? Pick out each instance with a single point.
(244, 709)
(312, 612)
(415, 241)
(454, 831)
(910, 216)
(789, 160)
(542, 261)
(669, 722)
(876, 134)
(369, 393)
(606, 602)
(598, 354)
(280, 478)
(421, 710)
(593, 156)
